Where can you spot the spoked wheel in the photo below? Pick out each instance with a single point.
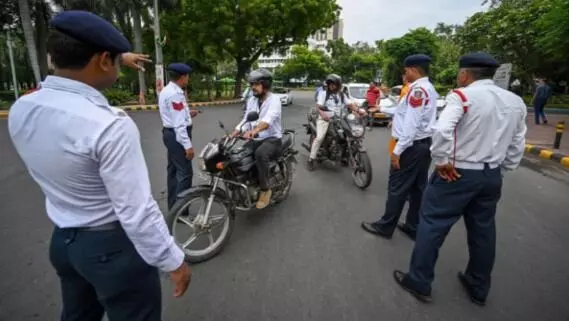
(199, 239)
(362, 173)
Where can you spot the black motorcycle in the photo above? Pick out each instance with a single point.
(343, 144)
(233, 185)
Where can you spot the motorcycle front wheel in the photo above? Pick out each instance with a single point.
(201, 240)
(362, 174)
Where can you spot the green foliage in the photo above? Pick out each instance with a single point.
(394, 51)
(553, 27)
(305, 63)
(341, 54)
(244, 30)
(118, 97)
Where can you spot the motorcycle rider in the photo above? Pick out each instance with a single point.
(266, 132)
(334, 99)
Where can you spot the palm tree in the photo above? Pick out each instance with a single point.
(25, 17)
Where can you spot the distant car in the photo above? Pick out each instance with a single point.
(358, 91)
(395, 92)
(284, 95)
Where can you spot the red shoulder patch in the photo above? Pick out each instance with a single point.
(177, 106)
(416, 98)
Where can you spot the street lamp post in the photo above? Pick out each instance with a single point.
(159, 68)
(12, 65)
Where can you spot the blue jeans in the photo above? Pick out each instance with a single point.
(179, 169)
(100, 271)
(538, 110)
(475, 197)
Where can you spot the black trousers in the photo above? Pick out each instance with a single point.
(407, 182)
(266, 150)
(474, 196)
(100, 271)
(179, 169)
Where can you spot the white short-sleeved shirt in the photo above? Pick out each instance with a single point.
(175, 113)
(334, 102)
(269, 113)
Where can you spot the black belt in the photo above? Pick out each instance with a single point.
(105, 227)
(424, 140)
(172, 129)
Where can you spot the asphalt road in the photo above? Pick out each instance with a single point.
(307, 258)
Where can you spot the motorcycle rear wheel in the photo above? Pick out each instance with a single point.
(290, 168)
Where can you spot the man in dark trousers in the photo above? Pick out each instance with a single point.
(412, 128)
(479, 135)
(177, 131)
(539, 100)
(110, 237)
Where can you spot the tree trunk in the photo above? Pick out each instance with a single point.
(242, 69)
(41, 14)
(29, 37)
(137, 30)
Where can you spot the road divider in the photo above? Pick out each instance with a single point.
(549, 154)
(4, 113)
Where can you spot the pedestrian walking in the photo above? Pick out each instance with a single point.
(177, 131)
(539, 100)
(110, 236)
(479, 135)
(410, 158)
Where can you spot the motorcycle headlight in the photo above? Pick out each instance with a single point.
(357, 130)
(351, 117)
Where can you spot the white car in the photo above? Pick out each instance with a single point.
(358, 91)
(283, 94)
(396, 91)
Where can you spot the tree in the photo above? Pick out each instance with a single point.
(553, 27)
(312, 64)
(341, 54)
(511, 32)
(246, 29)
(394, 51)
(26, 19)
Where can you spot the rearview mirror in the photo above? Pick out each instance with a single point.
(252, 116)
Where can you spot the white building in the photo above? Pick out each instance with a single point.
(317, 41)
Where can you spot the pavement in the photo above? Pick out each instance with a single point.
(4, 113)
(540, 139)
(307, 258)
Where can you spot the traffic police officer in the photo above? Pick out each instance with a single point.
(177, 131)
(480, 134)
(410, 158)
(110, 236)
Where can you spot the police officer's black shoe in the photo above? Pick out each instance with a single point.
(310, 165)
(468, 288)
(407, 230)
(402, 279)
(375, 229)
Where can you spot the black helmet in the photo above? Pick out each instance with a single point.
(334, 79)
(262, 76)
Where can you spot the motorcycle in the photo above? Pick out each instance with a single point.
(233, 185)
(343, 144)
